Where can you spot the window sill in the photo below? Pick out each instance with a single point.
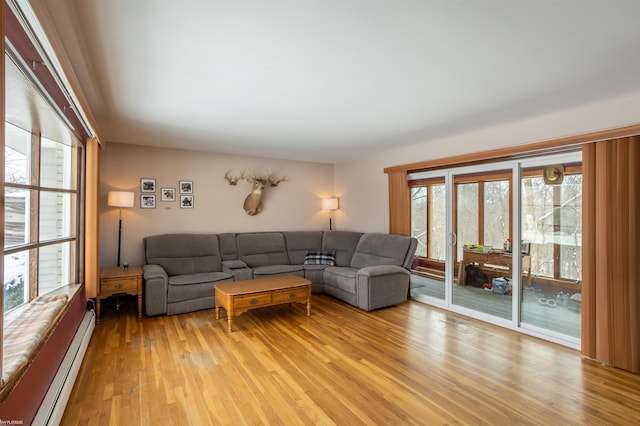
(27, 329)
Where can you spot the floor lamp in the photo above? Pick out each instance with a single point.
(330, 204)
(120, 199)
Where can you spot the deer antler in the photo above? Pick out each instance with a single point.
(272, 181)
(249, 177)
(233, 180)
(275, 182)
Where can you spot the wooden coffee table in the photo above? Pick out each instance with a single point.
(240, 296)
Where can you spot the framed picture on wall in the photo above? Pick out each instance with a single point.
(147, 185)
(186, 187)
(186, 201)
(147, 201)
(168, 194)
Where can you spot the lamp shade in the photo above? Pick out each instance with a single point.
(120, 199)
(329, 204)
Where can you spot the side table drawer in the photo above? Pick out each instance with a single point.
(108, 285)
(291, 295)
(252, 300)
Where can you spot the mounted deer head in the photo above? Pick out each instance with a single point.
(253, 202)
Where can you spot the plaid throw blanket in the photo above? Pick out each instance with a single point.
(24, 328)
(320, 257)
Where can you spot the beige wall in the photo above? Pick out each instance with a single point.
(363, 186)
(292, 205)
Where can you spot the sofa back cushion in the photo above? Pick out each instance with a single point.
(262, 249)
(228, 246)
(300, 242)
(344, 243)
(181, 254)
(381, 249)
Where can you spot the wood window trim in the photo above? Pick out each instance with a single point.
(400, 195)
(551, 146)
(426, 182)
(483, 177)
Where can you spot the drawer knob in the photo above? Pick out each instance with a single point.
(254, 301)
(292, 295)
(119, 285)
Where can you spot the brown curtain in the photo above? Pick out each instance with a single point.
(399, 203)
(611, 283)
(91, 259)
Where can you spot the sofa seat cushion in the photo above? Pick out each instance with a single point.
(267, 271)
(204, 277)
(320, 268)
(341, 277)
(196, 286)
(315, 274)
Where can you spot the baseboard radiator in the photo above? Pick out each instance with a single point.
(55, 401)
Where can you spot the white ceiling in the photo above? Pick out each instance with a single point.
(328, 81)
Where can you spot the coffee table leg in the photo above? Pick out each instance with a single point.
(229, 322)
(217, 312)
(309, 307)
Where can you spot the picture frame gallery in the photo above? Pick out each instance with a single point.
(167, 194)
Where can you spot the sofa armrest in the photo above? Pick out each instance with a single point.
(382, 285)
(238, 268)
(156, 282)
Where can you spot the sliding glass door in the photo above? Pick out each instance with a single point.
(429, 227)
(551, 229)
(502, 243)
(482, 224)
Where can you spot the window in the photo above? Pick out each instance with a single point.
(419, 218)
(41, 203)
(428, 219)
(468, 206)
(437, 221)
(483, 207)
(552, 221)
(497, 225)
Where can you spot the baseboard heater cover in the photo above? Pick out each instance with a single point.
(55, 401)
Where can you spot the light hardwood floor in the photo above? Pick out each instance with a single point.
(410, 364)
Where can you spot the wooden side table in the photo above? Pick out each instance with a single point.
(119, 281)
(503, 260)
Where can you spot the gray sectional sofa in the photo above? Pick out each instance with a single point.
(370, 270)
